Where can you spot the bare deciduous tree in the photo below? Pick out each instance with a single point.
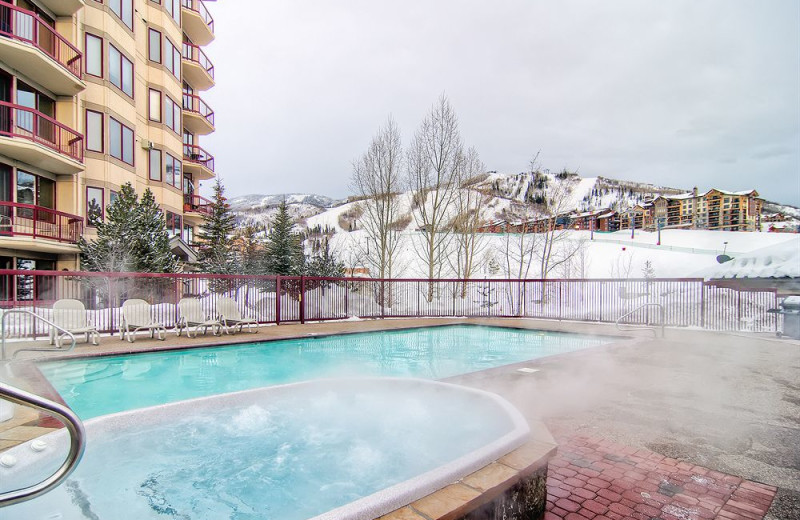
(377, 178)
(556, 247)
(434, 163)
(467, 240)
(519, 250)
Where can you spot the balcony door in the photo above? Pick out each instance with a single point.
(37, 191)
(27, 120)
(25, 26)
(6, 200)
(188, 193)
(6, 95)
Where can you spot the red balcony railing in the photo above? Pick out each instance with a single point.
(27, 123)
(194, 154)
(28, 220)
(193, 103)
(197, 204)
(28, 27)
(194, 53)
(199, 7)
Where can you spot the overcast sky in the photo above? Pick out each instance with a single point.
(678, 93)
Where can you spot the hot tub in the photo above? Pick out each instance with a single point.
(325, 449)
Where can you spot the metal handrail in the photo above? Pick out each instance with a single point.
(77, 443)
(63, 331)
(662, 314)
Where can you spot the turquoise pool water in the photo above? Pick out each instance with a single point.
(103, 385)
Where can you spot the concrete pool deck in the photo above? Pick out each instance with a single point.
(726, 402)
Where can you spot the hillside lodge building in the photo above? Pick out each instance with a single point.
(714, 209)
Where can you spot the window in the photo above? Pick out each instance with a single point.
(172, 59)
(173, 223)
(188, 234)
(155, 165)
(94, 55)
(120, 139)
(127, 145)
(124, 11)
(26, 188)
(94, 131)
(94, 205)
(112, 197)
(154, 45)
(120, 71)
(172, 114)
(172, 171)
(174, 9)
(155, 105)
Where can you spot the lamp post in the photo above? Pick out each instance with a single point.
(632, 217)
(660, 224)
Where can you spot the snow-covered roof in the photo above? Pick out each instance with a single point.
(726, 192)
(684, 196)
(590, 213)
(777, 261)
(690, 195)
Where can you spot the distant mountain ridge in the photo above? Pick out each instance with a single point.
(251, 202)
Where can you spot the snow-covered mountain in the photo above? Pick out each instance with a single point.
(260, 209)
(252, 202)
(586, 193)
(508, 196)
(504, 196)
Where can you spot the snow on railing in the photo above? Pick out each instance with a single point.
(278, 299)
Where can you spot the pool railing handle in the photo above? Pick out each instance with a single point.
(662, 314)
(77, 443)
(60, 333)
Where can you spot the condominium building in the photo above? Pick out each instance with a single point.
(713, 209)
(95, 94)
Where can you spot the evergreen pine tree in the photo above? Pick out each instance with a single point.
(215, 246)
(112, 251)
(284, 250)
(151, 246)
(325, 264)
(133, 237)
(250, 250)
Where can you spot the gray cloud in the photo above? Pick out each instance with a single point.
(652, 91)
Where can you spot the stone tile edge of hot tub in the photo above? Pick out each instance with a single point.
(484, 486)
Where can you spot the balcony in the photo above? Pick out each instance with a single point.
(34, 138)
(198, 162)
(198, 117)
(197, 22)
(198, 71)
(63, 7)
(36, 50)
(28, 222)
(196, 206)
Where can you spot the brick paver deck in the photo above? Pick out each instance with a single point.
(592, 478)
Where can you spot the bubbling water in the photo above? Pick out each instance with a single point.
(289, 457)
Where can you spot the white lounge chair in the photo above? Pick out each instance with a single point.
(192, 315)
(137, 315)
(230, 316)
(71, 315)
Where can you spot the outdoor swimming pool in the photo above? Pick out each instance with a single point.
(103, 385)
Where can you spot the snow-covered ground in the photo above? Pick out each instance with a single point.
(682, 253)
